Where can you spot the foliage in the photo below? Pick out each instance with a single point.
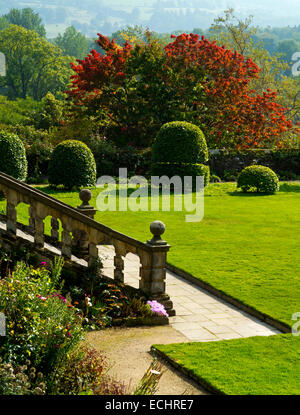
(26, 18)
(258, 178)
(133, 90)
(72, 164)
(38, 145)
(86, 374)
(20, 380)
(34, 66)
(233, 161)
(110, 158)
(72, 43)
(239, 35)
(180, 142)
(214, 179)
(41, 324)
(102, 302)
(50, 113)
(17, 111)
(3, 23)
(148, 385)
(12, 156)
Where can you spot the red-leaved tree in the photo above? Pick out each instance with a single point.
(133, 90)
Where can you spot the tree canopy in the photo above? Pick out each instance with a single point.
(133, 90)
(72, 43)
(34, 66)
(26, 18)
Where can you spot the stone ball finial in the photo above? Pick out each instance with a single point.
(85, 196)
(157, 228)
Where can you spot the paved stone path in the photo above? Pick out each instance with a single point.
(200, 316)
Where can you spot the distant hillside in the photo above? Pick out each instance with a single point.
(107, 16)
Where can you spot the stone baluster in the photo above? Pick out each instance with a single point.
(153, 268)
(66, 239)
(54, 231)
(118, 262)
(31, 219)
(36, 223)
(39, 232)
(93, 255)
(11, 213)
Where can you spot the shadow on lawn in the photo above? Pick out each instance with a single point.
(284, 187)
(290, 187)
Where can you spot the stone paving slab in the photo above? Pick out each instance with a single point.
(200, 316)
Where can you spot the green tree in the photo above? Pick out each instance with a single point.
(72, 43)
(3, 23)
(26, 18)
(288, 47)
(34, 66)
(239, 35)
(275, 70)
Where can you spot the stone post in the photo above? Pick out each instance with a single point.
(81, 240)
(153, 269)
(85, 208)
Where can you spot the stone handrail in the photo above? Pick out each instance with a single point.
(81, 235)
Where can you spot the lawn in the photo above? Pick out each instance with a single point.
(251, 366)
(246, 245)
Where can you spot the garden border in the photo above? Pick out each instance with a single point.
(265, 318)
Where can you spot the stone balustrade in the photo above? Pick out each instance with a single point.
(81, 235)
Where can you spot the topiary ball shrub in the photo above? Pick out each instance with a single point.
(72, 164)
(259, 179)
(12, 156)
(180, 150)
(180, 142)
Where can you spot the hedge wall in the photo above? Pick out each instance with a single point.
(227, 164)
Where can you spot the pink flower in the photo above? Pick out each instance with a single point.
(41, 298)
(157, 308)
(43, 264)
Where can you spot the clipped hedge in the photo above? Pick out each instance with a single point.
(227, 164)
(181, 170)
(180, 142)
(180, 150)
(258, 178)
(72, 164)
(12, 156)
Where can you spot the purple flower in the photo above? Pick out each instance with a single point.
(43, 264)
(157, 308)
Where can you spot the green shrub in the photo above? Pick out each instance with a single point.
(18, 111)
(181, 170)
(214, 179)
(12, 156)
(180, 142)
(38, 145)
(41, 325)
(72, 164)
(258, 178)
